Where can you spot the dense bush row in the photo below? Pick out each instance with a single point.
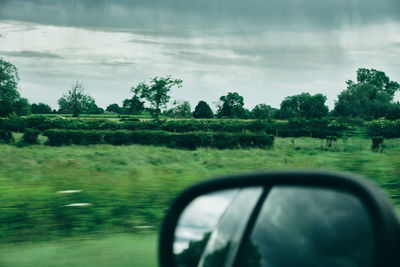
(190, 140)
(319, 128)
(384, 128)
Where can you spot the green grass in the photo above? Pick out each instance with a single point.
(119, 250)
(130, 186)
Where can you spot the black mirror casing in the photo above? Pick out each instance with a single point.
(384, 221)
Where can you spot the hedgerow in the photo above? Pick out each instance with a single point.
(191, 140)
(384, 128)
(318, 128)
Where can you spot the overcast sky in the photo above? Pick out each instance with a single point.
(263, 49)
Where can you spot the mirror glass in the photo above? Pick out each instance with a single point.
(281, 226)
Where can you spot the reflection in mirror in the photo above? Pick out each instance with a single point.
(210, 225)
(310, 227)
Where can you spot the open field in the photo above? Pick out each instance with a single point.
(128, 187)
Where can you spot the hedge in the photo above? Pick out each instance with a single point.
(319, 128)
(6, 137)
(191, 140)
(30, 136)
(384, 128)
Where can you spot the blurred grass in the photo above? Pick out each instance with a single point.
(131, 186)
(119, 250)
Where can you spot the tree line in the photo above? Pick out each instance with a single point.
(371, 96)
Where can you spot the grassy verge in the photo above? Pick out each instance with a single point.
(127, 187)
(118, 250)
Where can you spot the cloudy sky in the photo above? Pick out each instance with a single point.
(263, 49)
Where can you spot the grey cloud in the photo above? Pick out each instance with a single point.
(182, 17)
(30, 54)
(118, 63)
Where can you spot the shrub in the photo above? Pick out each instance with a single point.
(30, 136)
(377, 143)
(78, 137)
(6, 137)
(384, 128)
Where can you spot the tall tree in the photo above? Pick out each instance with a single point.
(156, 92)
(41, 108)
(231, 106)
(202, 110)
(114, 108)
(9, 94)
(75, 101)
(304, 105)
(370, 97)
(263, 111)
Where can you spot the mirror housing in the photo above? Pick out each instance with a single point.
(385, 225)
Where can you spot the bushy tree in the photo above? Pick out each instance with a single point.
(22, 107)
(156, 93)
(75, 101)
(181, 109)
(40, 108)
(370, 97)
(9, 94)
(231, 106)
(303, 106)
(202, 111)
(114, 108)
(263, 112)
(133, 105)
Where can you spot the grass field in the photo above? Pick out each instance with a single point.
(118, 250)
(131, 186)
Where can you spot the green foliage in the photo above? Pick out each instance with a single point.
(75, 101)
(156, 92)
(30, 137)
(377, 143)
(78, 137)
(263, 112)
(114, 108)
(6, 137)
(40, 108)
(303, 106)
(181, 109)
(191, 140)
(22, 107)
(370, 98)
(385, 128)
(231, 106)
(9, 94)
(132, 106)
(202, 111)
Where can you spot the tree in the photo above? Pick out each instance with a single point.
(133, 105)
(75, 101)
(370, 97)
(40, 108)
(202, 111)
(156, 93)
(304, 106)
(114, 108)
(22, 107)
(231, 106)
(263, 112)
(181, 109)
(9, 94)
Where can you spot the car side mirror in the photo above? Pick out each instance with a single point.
(281, 219)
